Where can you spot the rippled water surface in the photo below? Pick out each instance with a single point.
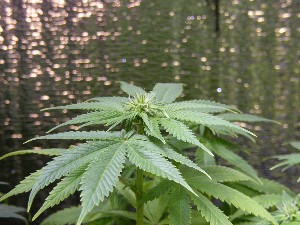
(54, 52)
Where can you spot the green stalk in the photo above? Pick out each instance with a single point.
(139, 196)
(139, 188)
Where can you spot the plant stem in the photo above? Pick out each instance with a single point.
(139, 196)
(139, 188)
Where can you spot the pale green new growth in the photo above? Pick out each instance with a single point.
(167, 93)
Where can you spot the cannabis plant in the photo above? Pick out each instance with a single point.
(143, 131)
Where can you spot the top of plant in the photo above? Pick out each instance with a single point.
(154, 111)
(142, 123)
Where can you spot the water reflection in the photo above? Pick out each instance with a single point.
(55, 52)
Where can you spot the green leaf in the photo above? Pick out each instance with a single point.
(179, 207)
(265, 200)
(100, 106)
(109, 99)
(268, 200)
(295, 144)
(131, 89)
(102, 117)
(145, 159)
(181, 132)
(287, 161)
(50, 152)
(153, 130)
(67, 162)
(114, 213)
(203, 158)
(209, 211)
(171, 154)
(198, 105)
(161, 189)
(62, 190)
(234, 197)
(101, 177)
(267, 186)
(167, 92)
(24, 186)
(9, 211)
(222, 150)
(154, 210)
(127, 193)
(217, 173)
(207, 120)
(66, 216)
(82, 135)
(245, 118)
(113, 121)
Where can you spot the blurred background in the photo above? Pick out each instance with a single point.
(239, 52)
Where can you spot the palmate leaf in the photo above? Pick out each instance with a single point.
(179, 207)
(181, 132)
(234, 197)
(62, 190)
(209, 211)
(131, 89)
(101, 177)
(154, 163)
(167, 92)
(67, 162)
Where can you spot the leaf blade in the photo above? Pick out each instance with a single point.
(167, 92)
